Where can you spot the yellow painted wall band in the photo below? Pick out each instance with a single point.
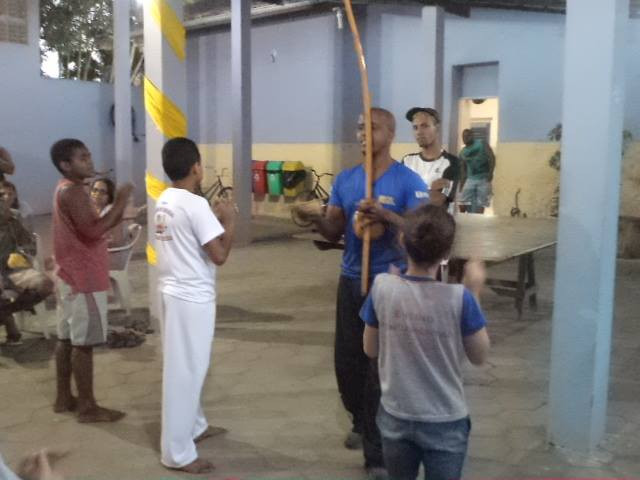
(152, 257)
(155, 186)
(166, 115)
(171, 26)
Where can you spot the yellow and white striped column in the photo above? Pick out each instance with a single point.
(165, 100)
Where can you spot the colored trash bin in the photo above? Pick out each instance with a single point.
(293, 175)
(259, 177)
(274, 177)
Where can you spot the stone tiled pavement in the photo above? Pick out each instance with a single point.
(272, 384)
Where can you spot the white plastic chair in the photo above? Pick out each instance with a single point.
(119, 258)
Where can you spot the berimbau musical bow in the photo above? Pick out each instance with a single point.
(368, 159)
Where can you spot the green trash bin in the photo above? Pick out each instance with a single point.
(274, 177)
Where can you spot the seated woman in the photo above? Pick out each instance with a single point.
(7, 166)
(103, 191)
(9, 193)
(21, 286)
(102, 195)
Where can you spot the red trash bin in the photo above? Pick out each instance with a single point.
(259, 177)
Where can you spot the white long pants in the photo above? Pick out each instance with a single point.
(187, 337)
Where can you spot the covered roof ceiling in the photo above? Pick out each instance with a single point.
(198, 9)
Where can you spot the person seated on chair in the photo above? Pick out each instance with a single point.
(10, 194)
(21, 286)
(103, 191)
(102, 194)
(7, 166)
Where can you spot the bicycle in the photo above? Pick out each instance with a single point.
(217, 189)
(318, 192)
(515, 211)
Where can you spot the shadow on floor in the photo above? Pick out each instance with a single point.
(231, 314)
(32, 351)
(294, 337)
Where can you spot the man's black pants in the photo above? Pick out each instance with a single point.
(357, 375)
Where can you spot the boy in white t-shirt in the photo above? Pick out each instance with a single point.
(190, 242)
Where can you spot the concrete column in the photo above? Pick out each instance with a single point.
(432, 57)
(165, 105)
(587, 231)
(241, 114)
(122, 92)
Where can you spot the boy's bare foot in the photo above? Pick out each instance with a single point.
(98, 414)
(210, 432)
(198, 467)
(63, 405)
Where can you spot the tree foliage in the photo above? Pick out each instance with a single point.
(81, 33)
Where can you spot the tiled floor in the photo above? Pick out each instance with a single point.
(272, 383)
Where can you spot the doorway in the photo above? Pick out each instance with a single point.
(481, 116)
(475, 105)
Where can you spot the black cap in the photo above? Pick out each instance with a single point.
(429, 111)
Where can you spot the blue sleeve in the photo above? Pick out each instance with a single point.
(335, 199)
(472, 316)
(417, 191)
(368, 312)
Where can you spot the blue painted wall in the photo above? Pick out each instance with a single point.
(312, 94)
(480, 81)
(392, 49)
(302, 82)
(35, 112)
(529, 49)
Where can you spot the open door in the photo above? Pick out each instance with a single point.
(475, 105)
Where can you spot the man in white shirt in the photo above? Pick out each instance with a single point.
(438, 168)
(190, 243)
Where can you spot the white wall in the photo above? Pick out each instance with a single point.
(35, 112)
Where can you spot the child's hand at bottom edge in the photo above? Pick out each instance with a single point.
(40, 466)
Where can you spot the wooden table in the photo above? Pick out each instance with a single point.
(493, 240)
(497, 239)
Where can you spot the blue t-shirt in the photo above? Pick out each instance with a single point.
(471, 321)
(399, 189)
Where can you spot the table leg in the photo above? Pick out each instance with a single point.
(444, 273)
(521, 289)
(531, 282)
(455, 270)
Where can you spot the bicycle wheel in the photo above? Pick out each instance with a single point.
(210, 192)
(303, 197)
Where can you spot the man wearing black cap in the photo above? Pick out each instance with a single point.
(438, 168)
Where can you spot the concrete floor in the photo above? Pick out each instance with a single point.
(272, 383)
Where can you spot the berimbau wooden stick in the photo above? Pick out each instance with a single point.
(368, 159)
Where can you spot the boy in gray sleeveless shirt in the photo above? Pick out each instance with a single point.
(421, 331)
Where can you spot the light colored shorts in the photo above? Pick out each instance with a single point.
(476, 192)
(82, 317)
